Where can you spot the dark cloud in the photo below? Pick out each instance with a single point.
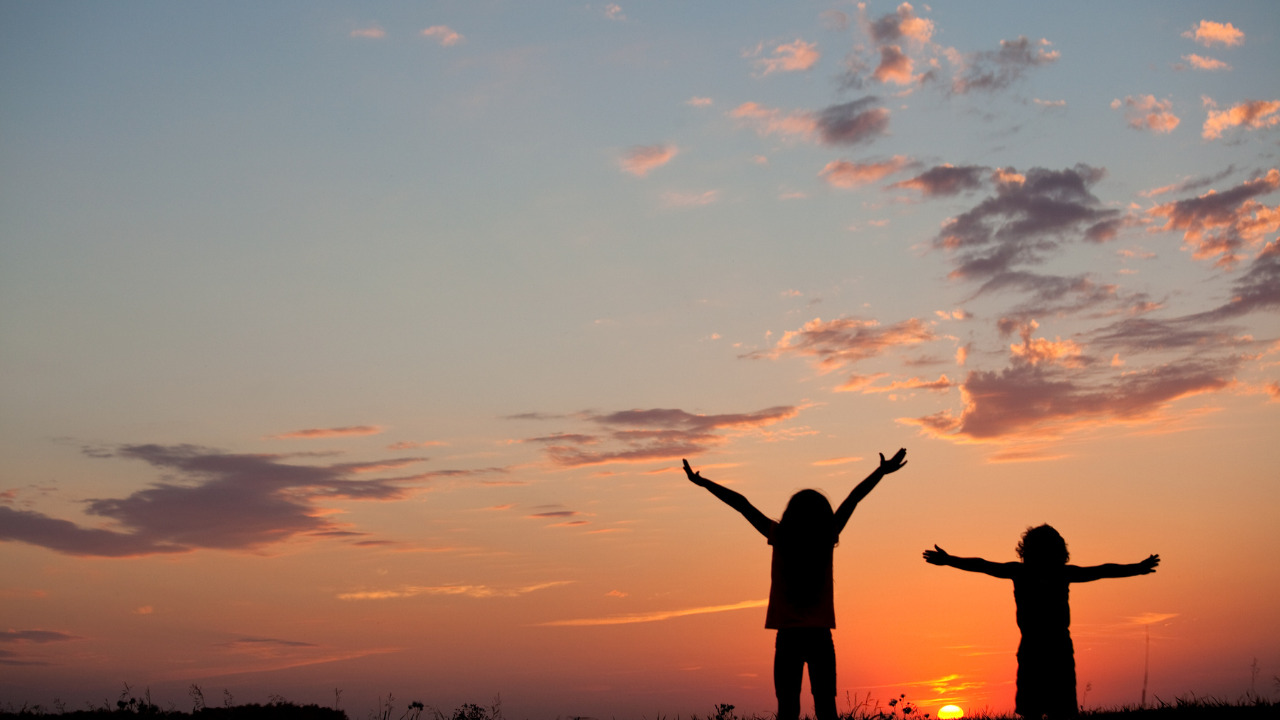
(36, 636)
(946, 180)
(212, 500)
(1025, 220)
(988, 71)
(852, 123)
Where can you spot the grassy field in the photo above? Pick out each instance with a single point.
(1251, 708)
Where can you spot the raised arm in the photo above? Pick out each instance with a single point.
(845, 511)
(735, 500)
(1112, 570)
(938, 556)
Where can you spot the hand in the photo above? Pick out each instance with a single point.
(937, 556)
(695, 478)
(893, 464)
(1148, 566)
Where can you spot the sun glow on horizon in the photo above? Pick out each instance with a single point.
(950, 711)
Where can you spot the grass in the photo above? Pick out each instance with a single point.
(1250, 707)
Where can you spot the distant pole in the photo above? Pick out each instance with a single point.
(1146, 667)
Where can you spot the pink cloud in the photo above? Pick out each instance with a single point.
(865, 385)
(946, 180)
(682, 200)
(1205, 63)
(1208, 32)
(640, 159)
(771, 121)
(1253, 114)
(1222, 224)
(353, 430)
(373, 32)
(1146, 113)
(894, 67)
(699, 101)
(443, 34)
(848, 123)
(789, 57)
(844, 341)
(844, 174)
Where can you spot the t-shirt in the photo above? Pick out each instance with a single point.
(801, 591)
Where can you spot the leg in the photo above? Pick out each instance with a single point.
(822, 673)
(788, 669)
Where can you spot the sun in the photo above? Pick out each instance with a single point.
(950, 711)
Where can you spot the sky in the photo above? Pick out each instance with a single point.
(351, 349)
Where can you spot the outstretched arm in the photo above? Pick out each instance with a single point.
(1112, 570)
(845, 511)
(938, 556)
(735, 500)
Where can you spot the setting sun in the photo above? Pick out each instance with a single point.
(950, 711)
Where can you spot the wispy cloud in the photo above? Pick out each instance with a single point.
(444, 35)
(845, 174)
(1199, 62)
(213, 500)
(472, 591)
(1145, 112)
(850, 123)
(988, 71)
(373, 32)
(685, 200)
(352, 430)
(1208, 33)
(833, 344)
(787, 57)
(641, 159)
(654, 616)
(36, 636)
(946, 180)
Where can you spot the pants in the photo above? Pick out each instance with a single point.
(794, 648)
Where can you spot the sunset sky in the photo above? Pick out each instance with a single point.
(357, 345)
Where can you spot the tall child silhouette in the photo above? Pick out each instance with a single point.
(1046, 658)
(801, 606)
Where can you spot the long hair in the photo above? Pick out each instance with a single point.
(805, 536)
(1042, 545)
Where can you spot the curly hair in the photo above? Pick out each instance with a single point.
(1042, 545)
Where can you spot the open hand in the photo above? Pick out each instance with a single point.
(936, 556)
(1148, 566)
(894, 463)
(694, 477)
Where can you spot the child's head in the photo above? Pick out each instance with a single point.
(1042, 545)
(808, 513)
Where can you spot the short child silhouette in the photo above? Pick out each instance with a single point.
(801, 606)
(1046, 658)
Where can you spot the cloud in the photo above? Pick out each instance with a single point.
(789, 57)
(699, 101)
(1205, 63)
(654, 616)
(845, 340)
(1252, 114)
(684, 200)
(766, 121)
(1190, 183)
(36, 636)
(852, 123)
(658, 434)
(211, 500)
(1042, 402)
(903, 23)
(989, 71)
(1146, 113)
(1207, 33)
(613, 11)
(1026, 220)
(1222, 224)
(844, 174)
(895, 67)
(373, 32)
(330, 432)
(849, 123)
(865, 384)
(472, 591)
(946, 180)
(443, 34)
(640, 159)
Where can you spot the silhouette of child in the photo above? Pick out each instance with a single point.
(801, 606)
(1046, 658)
